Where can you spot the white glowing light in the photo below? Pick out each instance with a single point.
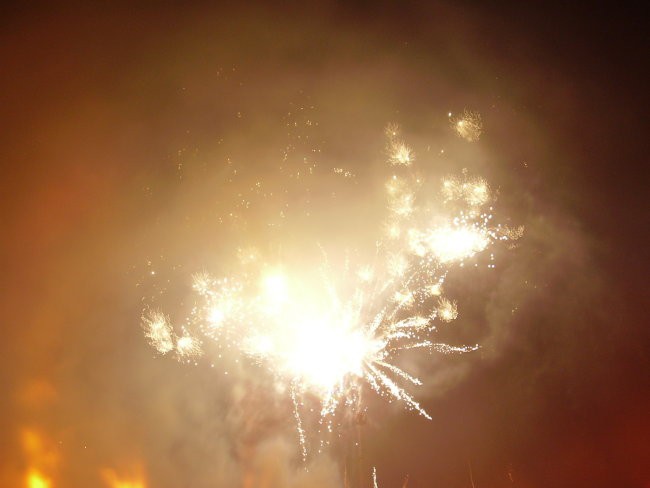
(326, 333)
(451, 243)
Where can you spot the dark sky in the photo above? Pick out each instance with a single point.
(121, 125)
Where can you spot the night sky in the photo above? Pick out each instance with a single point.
(130, 132)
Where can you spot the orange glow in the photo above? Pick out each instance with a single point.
(36, 393)
(40, 459)
(113, 481)
(36, 449)
(34, 479)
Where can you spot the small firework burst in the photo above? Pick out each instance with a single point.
(401, 154)
(475, 191)
(447, 310)
(158, 331)
(469, 125)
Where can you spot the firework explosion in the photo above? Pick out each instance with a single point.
(469, 125)
(328, 331)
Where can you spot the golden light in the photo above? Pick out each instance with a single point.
(403, 204)
(34, 479)
(276, 288)
(323, 353)
(187, 346)
(393, 230)
(365, 274)
(474, 191)
(403, 297)
(435, 289)
(469, 125)
(450, 243)
(447, 310)
(112, 480)
(158, 331)
(401, 155)
(40, 458)
(397, 264)
(216, 316)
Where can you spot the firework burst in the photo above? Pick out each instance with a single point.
(327, 331)
(469, 125)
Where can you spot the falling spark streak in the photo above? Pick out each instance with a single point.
(317, 342)
(397, 392)
(400, 372)
(301, 431)
(447, 349)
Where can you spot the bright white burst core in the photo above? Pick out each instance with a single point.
(455, 243)
(323, 354)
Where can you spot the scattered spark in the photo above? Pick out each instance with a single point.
(187, 346)
(403, 205)
(468, 126)
(474, 191)
(514, 233)
(301, 431)
(158, 331)
(162, 338)
(343, 172)
(391, 131)
(248, 255)
(401, 155)
(202, 282)
(447, 349)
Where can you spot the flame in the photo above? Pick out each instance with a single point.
(40, 459)
(111, 478)
(35, 479)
